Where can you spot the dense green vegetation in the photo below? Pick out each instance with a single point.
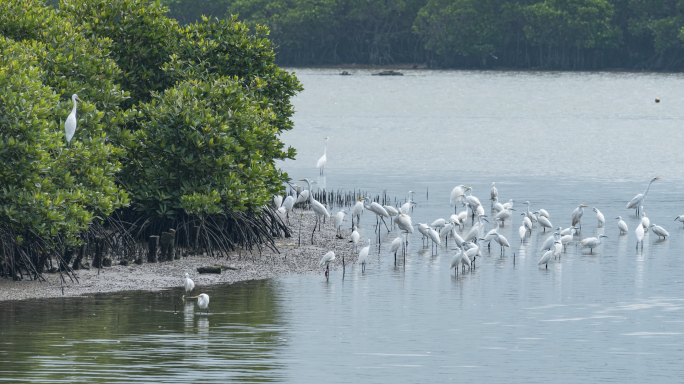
(178, 129)
(554, 34)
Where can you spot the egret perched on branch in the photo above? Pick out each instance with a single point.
(188, 284)
(660, 231)
(577, 215)
(622, 225)
(599, 216)
(71, 122)
(326, 260)
(638, 200)
(203, 301)
(592, 242)
(323, 160)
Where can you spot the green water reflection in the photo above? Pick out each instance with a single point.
(137, 337)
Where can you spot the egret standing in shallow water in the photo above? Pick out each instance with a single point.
(494, 194)
(638, 200)
(394, 247)
(71, 122)
(592, 242)
(639, 232)
(680, 218)
(577, 215)
(188, 284)
(660, 231)
(599, 216)
(363, 256)
(203, 302)
(323, 160)
(622, 225)
(326, 260)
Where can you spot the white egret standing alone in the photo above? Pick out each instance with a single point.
(323, 160)
(638, 200)
(71, 122)
(203, 301)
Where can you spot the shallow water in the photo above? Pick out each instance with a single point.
(613, 315)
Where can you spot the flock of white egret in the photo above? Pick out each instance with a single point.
(470, 247)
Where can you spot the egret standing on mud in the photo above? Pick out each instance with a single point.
(188, 284)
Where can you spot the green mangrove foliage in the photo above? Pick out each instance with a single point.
(178, 129)
(566, 34)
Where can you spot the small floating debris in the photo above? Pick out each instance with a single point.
(345, 73)
(210, 269)
(388, 73)
(657, 100)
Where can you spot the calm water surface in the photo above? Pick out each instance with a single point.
(557, 140)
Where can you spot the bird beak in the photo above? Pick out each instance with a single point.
(300, 180)
(79, 99)
(466, 187)
(657, 177)
(492, 183)
(459, 195)
(195, 296)
(585, 206)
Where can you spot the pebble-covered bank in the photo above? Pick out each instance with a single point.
(292, 259)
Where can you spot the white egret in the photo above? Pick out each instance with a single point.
(188, 284)
(645, 222)
(434, 236)
(326, 260)
(494, 193)
(472, 251)
(509, 204)
(288, 204)
(403, 221)
(363, 256)
(542, 212)
(497, 206)
(568, 231)
(529, 213)
(622, 225)
(318, 208)
(503, 242)
(455, 236)
(567, 239)
(277, 201)
(456, 196)
(339, 220)
(544, 222)
(355, 236)
(504, 215)
(406, 207)
(522, 231)
(638, 200)
(592, 242)
(548, 243)
(462, 217)
(320, 164)
(680, 218)
(456, 260)
(439, 223)
(303, 195)
(379, 211)
(446, 231)
(391, 211)
(558, 247)
(203, 301)
(394, 247)
(599, 216)
(477, 229)
(660, 231)
(282, 213)
(490, 235)
(357, 211)
(473, 201)
(547, 256)
(577, 215)
(639, 232)
(479, 210)
(71, 122)
(423, 229)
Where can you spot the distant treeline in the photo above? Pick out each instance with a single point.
(551, 34)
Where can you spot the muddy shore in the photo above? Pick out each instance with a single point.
(239, 266)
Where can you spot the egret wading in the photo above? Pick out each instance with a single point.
(638, 200)
(622, 226)
(320, 164)
(394, 247)
(592, 242)
(660, 231)
(203, 302)
(363, 256)
(599, 216)
(577, 216)
(325, 262)
(493, 194)
(639, 232)
(680, 218)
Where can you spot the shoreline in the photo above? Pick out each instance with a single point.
(158, 276)
(423, 67)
